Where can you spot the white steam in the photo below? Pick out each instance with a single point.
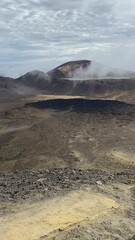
(98, 71)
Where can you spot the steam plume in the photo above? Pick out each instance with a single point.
(97, 71)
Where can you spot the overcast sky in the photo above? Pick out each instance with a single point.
(41, 34)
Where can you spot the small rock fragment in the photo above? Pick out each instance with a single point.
(99, 182)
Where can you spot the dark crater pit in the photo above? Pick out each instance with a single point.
(85, 105)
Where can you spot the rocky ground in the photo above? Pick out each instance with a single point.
(16, 186)
(67, 171)
(67, 204)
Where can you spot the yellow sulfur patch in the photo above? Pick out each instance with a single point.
(44, 218)
(123, 157)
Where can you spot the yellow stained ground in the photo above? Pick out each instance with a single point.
(124, 157)
(45, 218)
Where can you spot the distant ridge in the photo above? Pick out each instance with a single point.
(60, 81)
(65, 70)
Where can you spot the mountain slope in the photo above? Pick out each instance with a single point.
(60, 81)
(67, 69)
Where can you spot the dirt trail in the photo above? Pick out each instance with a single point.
(13, 129)
(44, 219)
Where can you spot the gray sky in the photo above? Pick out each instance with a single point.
(41, 34)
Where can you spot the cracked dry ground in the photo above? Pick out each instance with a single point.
(67, 174)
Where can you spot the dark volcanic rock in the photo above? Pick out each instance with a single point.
(82, 105)
(15, 186)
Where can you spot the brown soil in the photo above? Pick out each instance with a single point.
(67, 170)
